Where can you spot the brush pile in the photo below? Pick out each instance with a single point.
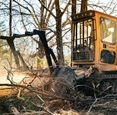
(34, 95)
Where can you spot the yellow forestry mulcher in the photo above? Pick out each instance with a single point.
(94, 47)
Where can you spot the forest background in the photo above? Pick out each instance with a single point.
(52, 16)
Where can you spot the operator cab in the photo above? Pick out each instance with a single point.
(94, 40)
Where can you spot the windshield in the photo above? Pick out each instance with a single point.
(107, 30)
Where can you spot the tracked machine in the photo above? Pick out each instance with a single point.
(93, 57)
(94, 46)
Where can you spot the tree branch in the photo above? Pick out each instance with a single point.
(66, 7)
(47, 9)
(33, 16)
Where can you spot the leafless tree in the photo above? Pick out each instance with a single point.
(53, 16)
(42, 22)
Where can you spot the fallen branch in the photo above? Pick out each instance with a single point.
(45, 108)
(46, 93)
(91, 107)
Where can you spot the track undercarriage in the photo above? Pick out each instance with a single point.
(101, 84)
(98, 84)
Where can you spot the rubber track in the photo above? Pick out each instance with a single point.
(101, 77)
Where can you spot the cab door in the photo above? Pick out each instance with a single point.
(107, 40)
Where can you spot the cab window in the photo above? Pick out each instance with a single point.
(107, 30)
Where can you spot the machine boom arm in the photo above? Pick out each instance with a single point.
(48, 50)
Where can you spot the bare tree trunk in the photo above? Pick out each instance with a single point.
(10, 18)
(10, 27)
(10, 41)
(12, 47)
(42, 27)
(25, 67)
(42, 18)
(72, 27)
(73, 7)
(59, 33)
(83, 6)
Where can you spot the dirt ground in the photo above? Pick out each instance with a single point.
(37, 101)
